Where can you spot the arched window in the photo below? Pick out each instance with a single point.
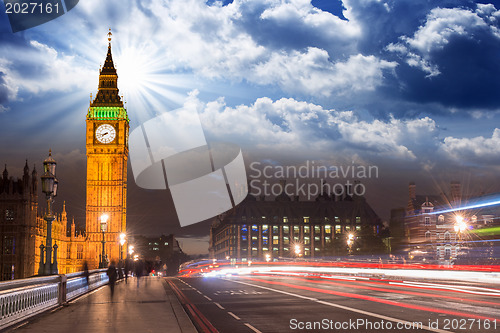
(474, 219)
(447, 236)
(441, 218)
(428, 235)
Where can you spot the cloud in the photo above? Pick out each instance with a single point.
(37, 68)
(476, 150)
(470, 80)
(441, 26)
(4, 92)
(296, 128)
(312, 72)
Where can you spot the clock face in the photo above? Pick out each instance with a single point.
(105, 133)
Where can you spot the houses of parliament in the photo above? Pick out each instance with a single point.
(23, 228)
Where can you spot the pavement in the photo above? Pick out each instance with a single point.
(151, 307)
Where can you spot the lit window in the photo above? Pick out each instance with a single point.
(296, 229)
(286, 229)
(275, 240)
(358, 227)
(255, 228)
(307, 240)
(328, 229)
(358, 219)
(285, 219)
(337, 220)
(338, 229)
(306, 229)
(306, 219)
(316, 238)
(286, 240)
(317, 229)
(265, 228)
(328, 240)
(79, 251)
(275, 229)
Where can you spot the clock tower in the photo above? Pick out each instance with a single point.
(107, 153)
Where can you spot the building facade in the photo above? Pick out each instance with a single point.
(163, 252)
(107, 134)
(447, 227)
(23, 230)
(264, 229)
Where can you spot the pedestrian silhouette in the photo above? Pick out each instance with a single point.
(138, 271)
(127, 268)
(111, 272)
(86, 273)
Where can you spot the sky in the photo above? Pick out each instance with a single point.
(411, 87)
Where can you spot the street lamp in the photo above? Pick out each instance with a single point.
(122, 242)
(350, 242)
(268, 257)
(49, 188)
(104, 226)
(298, 250)
(460, 226)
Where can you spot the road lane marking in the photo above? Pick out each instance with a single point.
(371, 314)
(207, 297)
(219, 306)
(233, 315)
(252, 328)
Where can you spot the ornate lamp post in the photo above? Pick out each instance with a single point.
(49, 187)
(122, 242)
(104, 226)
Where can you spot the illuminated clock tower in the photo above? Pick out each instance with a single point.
(107, 153)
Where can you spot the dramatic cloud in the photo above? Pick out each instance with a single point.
(314, 74)
(295, 128)
(37, 68)
(475, 150)
(466, 81)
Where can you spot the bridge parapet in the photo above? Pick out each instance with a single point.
(24, 298)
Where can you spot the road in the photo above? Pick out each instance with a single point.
(273, 304)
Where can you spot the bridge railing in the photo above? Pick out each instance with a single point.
(24, 298)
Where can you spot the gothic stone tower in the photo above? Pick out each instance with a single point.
(107, 153)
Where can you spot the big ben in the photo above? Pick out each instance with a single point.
(107, 154)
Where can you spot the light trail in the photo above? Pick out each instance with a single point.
(377, 300)
(422, 294)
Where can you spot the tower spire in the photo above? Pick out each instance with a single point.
(108, 94)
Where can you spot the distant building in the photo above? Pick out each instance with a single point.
(443, 227)
(257, 229)
(160, 251)
(23, 230)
